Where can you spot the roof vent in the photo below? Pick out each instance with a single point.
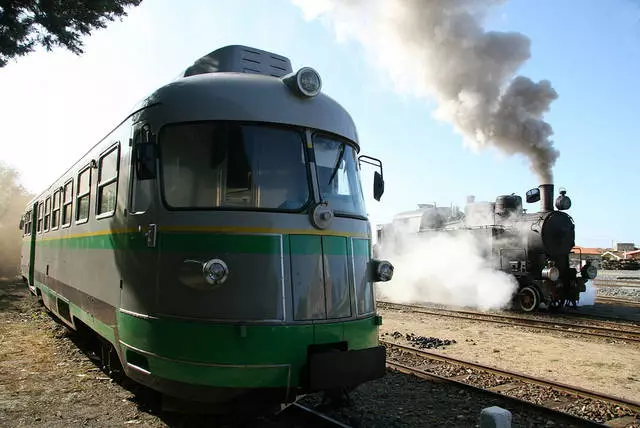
(241, 59)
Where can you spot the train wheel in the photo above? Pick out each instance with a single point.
(528, 299)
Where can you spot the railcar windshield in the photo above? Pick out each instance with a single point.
(208, 165)
(338, 175)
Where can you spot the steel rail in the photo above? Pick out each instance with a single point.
(581, 392)
(622, 334)
(437, 378)
(311, 415)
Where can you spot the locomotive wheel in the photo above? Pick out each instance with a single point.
(528, 299)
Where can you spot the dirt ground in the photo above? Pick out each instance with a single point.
(45, 380)
(612, 368)
(48, 376)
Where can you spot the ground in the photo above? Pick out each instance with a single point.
(49, 378)
(603, 365)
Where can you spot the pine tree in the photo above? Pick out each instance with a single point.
(25, 24)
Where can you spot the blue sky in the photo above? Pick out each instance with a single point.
(55, 105)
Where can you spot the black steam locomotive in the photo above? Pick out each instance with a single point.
(534, 247)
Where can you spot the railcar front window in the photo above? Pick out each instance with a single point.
(210, 165)
(338, 175)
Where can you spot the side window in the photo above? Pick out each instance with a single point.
(55, 216)
(40, 214)
(47, 213)
(82, 198)
(28, 223)
(107, 182)
(67, 199)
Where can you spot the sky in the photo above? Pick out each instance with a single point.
(55, 105)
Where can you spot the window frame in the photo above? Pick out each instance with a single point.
(40, 217)
(56, 226)
(100, 183)
(47, 215)
(298, 129)
(64, 204)
(356, 149)
(78, 197)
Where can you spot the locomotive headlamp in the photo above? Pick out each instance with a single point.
(215, 271)
(383, 271)
(551, 273)
(589, 271)
(305, 81)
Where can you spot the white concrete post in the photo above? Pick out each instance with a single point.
(495, 417)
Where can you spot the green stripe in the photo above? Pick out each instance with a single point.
(171, 344)
(362, 247)
(212, 242)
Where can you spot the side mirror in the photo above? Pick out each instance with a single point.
(378, 181)
(378, 185)
(145, 156)
(533, 195)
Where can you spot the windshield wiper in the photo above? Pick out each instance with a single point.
(335, 168)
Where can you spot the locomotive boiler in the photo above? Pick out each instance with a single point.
(534, 247)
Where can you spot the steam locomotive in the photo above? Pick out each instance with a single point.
(533, 247)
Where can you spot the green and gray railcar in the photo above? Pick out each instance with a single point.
(217, 238)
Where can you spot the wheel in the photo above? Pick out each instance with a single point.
(528, 299)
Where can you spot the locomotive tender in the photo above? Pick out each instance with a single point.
(217, 238)
(534, 247)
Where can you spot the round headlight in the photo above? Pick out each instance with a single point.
(551, 273)
(309, 82)
(215, 271)
(384, 271)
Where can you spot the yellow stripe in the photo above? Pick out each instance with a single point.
(87, 234)
(233, 229)
(217, 229)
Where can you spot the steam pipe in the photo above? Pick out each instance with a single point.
(546, 197)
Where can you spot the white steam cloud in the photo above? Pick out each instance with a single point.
(588, 297)
(438, 49)
(445, 269)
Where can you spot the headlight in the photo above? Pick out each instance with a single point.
(383, 272)
(551, 273)
(215, 271)
(305, 81)
(589, 271)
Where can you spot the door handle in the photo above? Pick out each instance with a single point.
(150, 234)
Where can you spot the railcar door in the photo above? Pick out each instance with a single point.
(32, 246)
(139, 256)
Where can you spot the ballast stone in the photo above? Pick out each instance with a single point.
(495, 417)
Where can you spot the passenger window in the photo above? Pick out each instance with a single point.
(55, 216)
(108, 182)
(83, 195)
(27, 226)
(67, 202)
(40, 214)
(47, 213)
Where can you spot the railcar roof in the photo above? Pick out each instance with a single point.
(248, 97)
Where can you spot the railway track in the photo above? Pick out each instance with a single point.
(584, 407)
(629, 333)
(618, 300)
(299, 415)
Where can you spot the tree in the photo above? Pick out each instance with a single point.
(13, 200)
(24, 24)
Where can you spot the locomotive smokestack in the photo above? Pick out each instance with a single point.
(546, 197)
